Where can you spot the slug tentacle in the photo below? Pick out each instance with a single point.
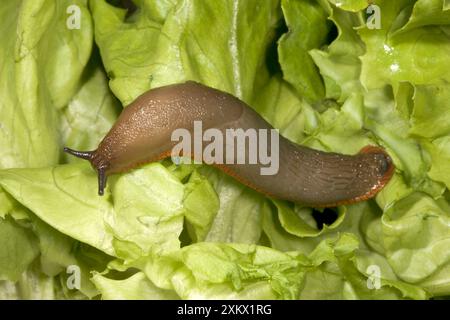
(101, 181)
(97, 162)
(87, 155)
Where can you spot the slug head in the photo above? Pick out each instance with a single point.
(96, 162)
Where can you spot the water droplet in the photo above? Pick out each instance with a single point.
(394, 67)
(388, 49)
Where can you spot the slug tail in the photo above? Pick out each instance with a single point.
(372, 149)
(388, 172)
(388, 169)
(86, 155)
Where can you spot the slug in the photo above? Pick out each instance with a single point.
(311, 177)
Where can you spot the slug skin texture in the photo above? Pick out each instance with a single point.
(143, 133)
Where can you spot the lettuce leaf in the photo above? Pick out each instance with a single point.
(422, 223)
(231, 271)
(136, 287)
(226, 57)
(394, 57)
(167, 231)
(39, 78)
(32, 285)
(18, 249)
(301, 16)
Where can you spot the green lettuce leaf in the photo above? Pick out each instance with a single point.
(18, 249)
(301, 16)
(90, 113)
(63, 198)
(147, 212)
(136, 287)
(424, 224)
(351, 5)
(42, 67)
(201, 204)
(439, 151)
(226, 56)
(395, 57)
(220, 271)
(32, 285)
(431, 116)
(427, 13)
(167, 231)
(339, 63)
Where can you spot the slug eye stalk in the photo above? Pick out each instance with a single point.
(89, 155)
(101, 181)
(86, 155)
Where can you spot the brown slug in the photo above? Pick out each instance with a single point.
(144, 129)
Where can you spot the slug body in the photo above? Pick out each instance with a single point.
(143, 133)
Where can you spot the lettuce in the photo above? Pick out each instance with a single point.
(312, 68)
(19, 249)
(301, 16)
(136, 287)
